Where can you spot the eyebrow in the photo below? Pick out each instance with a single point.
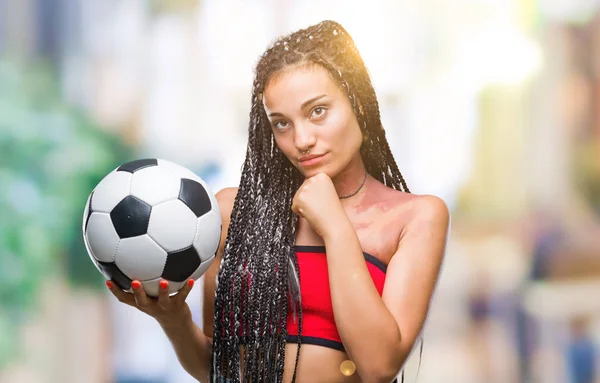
(304, 104)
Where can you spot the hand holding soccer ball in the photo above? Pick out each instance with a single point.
(152, 222)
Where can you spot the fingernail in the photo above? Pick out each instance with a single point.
(136, 285)
(163, 284)
(191, 282)
(109, 284)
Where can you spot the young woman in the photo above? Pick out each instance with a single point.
(327, 263)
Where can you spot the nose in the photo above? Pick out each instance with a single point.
(304, 138)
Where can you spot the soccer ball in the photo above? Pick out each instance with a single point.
(151, 219)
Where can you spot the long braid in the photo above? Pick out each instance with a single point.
(258, 280)
(224, 306)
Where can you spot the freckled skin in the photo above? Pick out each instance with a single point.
(378, 216)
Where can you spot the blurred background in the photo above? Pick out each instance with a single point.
(493, 105)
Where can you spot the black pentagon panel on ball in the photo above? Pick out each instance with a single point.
(111, 270)
(130, 217)
(136, 165)
(195, 197)
(181, 264)
(89, 211)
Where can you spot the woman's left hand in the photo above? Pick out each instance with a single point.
(317, 201)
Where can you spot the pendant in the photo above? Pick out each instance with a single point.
(347, 367)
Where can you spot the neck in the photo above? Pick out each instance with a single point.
(349, 180)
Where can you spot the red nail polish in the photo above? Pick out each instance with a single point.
(136, 285)
(163, 284)
(109, 284)
(191, 282)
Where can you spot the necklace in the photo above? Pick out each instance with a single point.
(357, 190)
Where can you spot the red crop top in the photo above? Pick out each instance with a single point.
(318, 325)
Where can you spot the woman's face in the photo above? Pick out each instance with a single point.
(312, 120)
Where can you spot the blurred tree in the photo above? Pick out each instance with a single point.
(51, 157)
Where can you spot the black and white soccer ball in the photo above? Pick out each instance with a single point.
(152, 219)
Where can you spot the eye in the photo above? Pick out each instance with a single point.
(280, 124)
(317, 112)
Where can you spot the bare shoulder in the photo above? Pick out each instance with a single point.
(225, 198)
(425, 224)
(428, 223)
(430, 208)
(419, 210)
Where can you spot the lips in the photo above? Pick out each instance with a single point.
(311, 159)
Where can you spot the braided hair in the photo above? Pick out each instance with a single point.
(259, 276)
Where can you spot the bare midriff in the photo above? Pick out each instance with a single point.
(317, 364)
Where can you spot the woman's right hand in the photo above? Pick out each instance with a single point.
(167, 310)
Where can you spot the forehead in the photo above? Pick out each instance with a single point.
(296, 85)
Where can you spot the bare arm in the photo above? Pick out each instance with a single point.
(192, 346)
(379, 332)
(226, 198)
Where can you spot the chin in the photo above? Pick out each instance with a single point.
(307, 173)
